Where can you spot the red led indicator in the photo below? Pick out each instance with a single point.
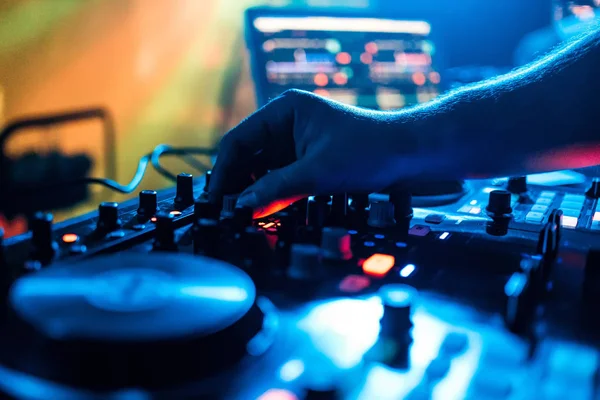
(378, 265)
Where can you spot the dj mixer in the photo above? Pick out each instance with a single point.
(490, 294)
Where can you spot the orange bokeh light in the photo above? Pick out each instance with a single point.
(340, 78)
(419, 78)
(371, 47)
(70, 238)
(434, 77)
(343, 58)
(321, 79)
(366, 58)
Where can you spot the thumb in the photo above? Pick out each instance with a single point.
(277, 189)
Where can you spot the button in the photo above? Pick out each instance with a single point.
(549, 195)
(544, 201)
(77, 249)
(354, 284)
(578, 198)
(539, 208)
(419, 230)
(534, 217)
(595, 226)
(475, 210)
(465, 209)
(175, 213)
(378, 265)
(597, 216)
(571, 205)
(569, 222)
(570, 213)
(138, 227)
(115, 235)
(70, 238)
(381, 214)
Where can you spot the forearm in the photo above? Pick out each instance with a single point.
(541, 117)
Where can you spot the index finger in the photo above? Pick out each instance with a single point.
(243, 150)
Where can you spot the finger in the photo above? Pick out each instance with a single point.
(247, 147)
(278, 189)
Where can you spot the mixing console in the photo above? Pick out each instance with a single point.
(350, 296)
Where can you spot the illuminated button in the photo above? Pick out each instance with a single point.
(570, 212)
(577, 198)
(407, 270)
(77, 249)
(70, 238)
(569, 222)
(543, 201)
(549, 195)
(138, 227)
(473, 202)
(444, 236)
(378, 265)
(570, 205)
(115, 234)
(534, 217)
(539, 208)
(354, 283)
(475, 210)
(175, 213)
(595, 226)
(597, 216)
(465, 209)
(153, 219)
(435, 218)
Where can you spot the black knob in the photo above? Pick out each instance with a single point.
(204, 209)
(594, 191)
(243, 217)
(517, 185)
(518, 314)
(184, 196)
(499, 204)
(229, 202)
(42, 238)
(205, 234)
(207, 177)
(147, 203)
(335, 244)
(164, 235)
(381, 211)
(339, 209)
(317, 211)
(397, 300)
(403, 212)
(256, 252)
(108, 217)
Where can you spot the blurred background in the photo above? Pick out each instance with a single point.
(176, 71)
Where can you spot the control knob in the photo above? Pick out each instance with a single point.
(397, 300)
(147, 203)
(108, 217)
(304, 262)
(229, 202)
(207, 177)
(594, 191)
(517, 185)
(381, 212)
(204, 209)
(499, 204)
(164, 239)
(317, 211)
(335, 244)
(184, 196)
(243, 217)
(205, 234)
(42, 238)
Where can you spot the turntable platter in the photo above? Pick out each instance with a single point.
(128, 297)
(152, 320)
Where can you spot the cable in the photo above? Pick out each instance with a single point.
(185, 152)
(139, 173)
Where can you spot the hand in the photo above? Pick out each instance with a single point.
(310, 145)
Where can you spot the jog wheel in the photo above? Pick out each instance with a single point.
(127, 320)
(432, 193)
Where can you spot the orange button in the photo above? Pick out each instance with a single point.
(70, 238)
(153, 219)
(378, 265)
(175, 213)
